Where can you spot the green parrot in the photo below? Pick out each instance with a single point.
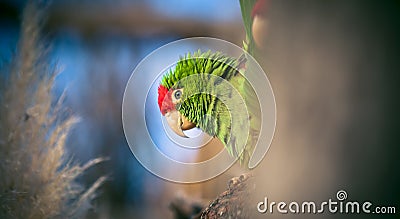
(210, 91)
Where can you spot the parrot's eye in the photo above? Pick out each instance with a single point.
(178, 94)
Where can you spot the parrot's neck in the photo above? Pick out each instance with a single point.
(202, 110)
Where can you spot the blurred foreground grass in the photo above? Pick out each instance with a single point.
(37, 179)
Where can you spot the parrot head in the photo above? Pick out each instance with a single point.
(169, 102)
(184, 92)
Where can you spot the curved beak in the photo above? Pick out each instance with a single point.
(177, 122)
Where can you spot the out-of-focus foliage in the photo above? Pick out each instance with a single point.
(246, 6)
(36, 178)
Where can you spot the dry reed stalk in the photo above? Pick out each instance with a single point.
(36, 178)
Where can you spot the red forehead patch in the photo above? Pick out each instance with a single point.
(164, 100)
(162, 91)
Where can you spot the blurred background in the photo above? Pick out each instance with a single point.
(333, 66)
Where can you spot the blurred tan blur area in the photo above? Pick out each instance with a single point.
(333, 66)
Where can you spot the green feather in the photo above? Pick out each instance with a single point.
(208, 73)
